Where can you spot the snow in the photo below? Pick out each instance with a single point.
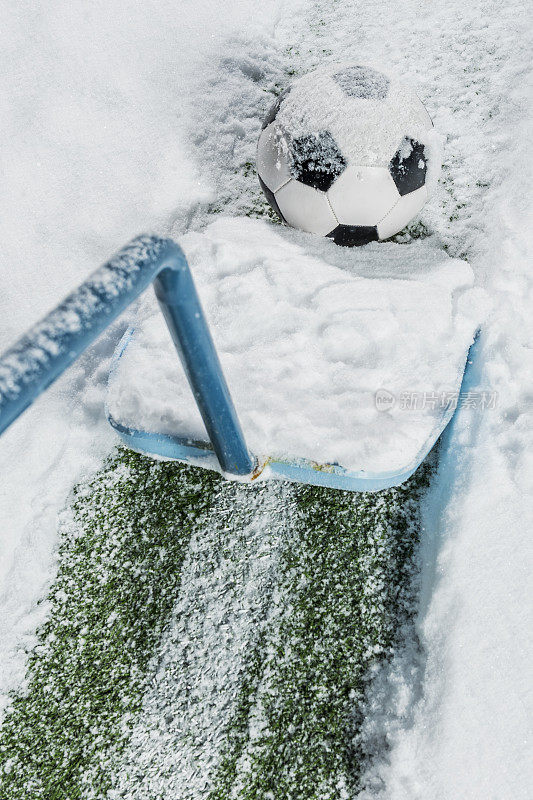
(306, 340)
(98, 134)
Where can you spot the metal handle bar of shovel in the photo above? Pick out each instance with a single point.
(43, 353)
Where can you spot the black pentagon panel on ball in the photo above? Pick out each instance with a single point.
(408, 166)
(273, 111)
(270, 196)
(354, 235)
(316, 160)
(363, 82)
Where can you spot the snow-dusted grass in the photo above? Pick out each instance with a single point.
(168, 577)
(123, 541)
(345, 588)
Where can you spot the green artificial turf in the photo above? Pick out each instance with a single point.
(343, 586)
(346, 584)
(122, 544)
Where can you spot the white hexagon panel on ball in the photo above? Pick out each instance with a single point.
(403, 212)
(363, 195)
(306, 208)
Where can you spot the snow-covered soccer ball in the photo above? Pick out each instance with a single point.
(345, 152)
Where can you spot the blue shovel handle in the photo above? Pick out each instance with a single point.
(43, 353)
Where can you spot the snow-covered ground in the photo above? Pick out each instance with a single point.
(98, 144)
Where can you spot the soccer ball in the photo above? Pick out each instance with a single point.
(344, 152)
